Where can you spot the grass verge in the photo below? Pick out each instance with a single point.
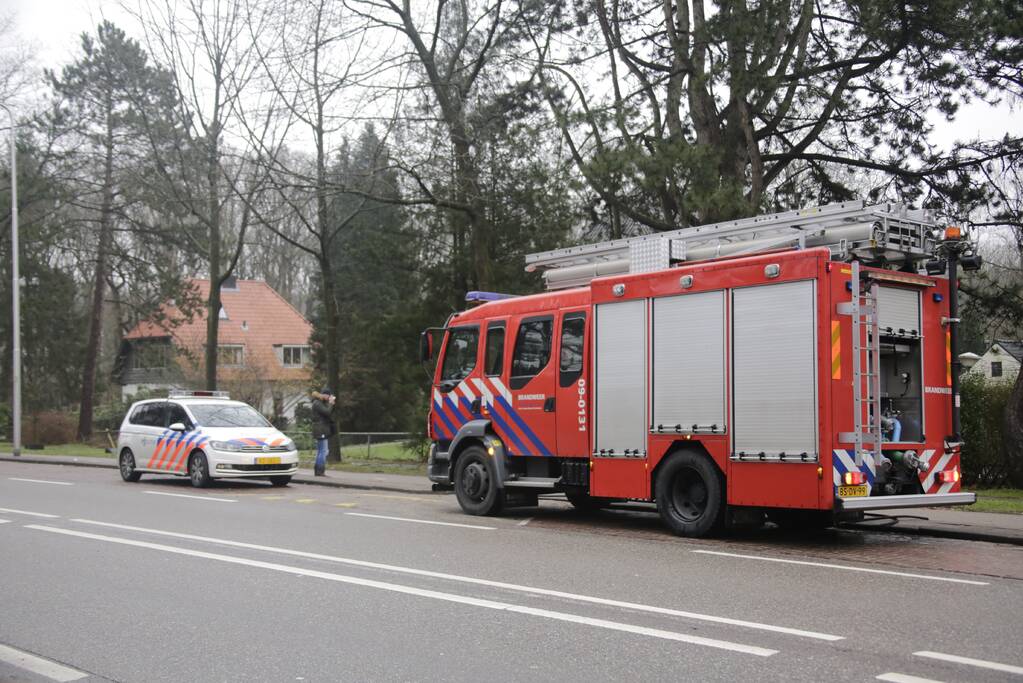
(997, 500)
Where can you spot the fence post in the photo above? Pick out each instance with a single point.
(369, 446)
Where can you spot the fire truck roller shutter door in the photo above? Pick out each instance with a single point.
(620, 372)
(689, 363)
(774, 342)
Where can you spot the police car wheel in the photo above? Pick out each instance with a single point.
(690, 494)
(126, 463)
(280, 481)
(199, 471)
(476, 483)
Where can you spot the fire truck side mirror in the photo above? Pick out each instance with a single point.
(426, 346)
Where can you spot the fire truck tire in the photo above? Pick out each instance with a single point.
(199, 470)
(690, 494)
(126, 463)
(476, 483)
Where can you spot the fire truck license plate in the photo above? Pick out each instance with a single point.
(276, 461)
(852, 491)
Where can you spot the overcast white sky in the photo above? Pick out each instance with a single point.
(54, 27)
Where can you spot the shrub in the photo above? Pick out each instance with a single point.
(984, 460)
(49, 427)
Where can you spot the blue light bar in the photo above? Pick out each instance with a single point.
(481, 297)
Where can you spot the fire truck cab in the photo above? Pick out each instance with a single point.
(789, 380)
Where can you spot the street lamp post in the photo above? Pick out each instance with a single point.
(15, 290)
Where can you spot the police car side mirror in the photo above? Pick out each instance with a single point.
(177, 427)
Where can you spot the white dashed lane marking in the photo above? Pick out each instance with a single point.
(38, 665)
(30, 514)
(825, 565)
(903, 678)
(42, 481)
(501, 585)
(431, 594)
(980, 663)
(422, 521)
(185, 495)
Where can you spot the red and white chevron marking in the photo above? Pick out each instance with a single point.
(938, 463)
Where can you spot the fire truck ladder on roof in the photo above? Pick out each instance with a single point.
(866, 357)
(880, 234)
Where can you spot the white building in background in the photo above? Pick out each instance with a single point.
(1001, 362)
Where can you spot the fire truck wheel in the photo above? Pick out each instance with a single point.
(476, 483)
(690, 494)
(126, 463)
(199, 470)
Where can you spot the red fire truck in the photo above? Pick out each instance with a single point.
(800, 365)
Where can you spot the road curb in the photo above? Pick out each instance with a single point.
(332, 480)
(937, 532)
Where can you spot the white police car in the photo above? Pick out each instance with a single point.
(203, 435)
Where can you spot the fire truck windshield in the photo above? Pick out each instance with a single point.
(460, 354)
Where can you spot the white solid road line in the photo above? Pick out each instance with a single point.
(981, 663)
(5, 521)
(42, 481)
(30, 514)
(435, 595)
(185, 495)
(639, 607)
(842, 566)
(903, 678)
(38, 665)
(422, 521)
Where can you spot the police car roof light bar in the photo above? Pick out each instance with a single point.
(198, 394)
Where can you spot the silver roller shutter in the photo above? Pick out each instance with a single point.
(898, 309)
(689, 362)
(621, 377)
(774, 342)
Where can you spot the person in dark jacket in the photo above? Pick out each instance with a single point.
(323, 427)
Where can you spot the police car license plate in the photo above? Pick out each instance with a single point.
(277, 461)
(852, 491)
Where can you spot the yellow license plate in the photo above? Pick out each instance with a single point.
(852, 491)
(277, 461)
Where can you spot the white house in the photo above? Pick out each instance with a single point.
(1001, 362)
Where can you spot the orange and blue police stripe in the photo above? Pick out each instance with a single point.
(172, 449)
(454, 409)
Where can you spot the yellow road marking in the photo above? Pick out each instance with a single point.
(305, 500)
(346, 505)
(274, 497)
(396, 497)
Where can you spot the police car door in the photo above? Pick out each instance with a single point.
(151, 430)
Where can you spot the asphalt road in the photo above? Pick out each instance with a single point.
(156, 581)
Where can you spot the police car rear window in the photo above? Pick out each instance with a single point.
(214, 415)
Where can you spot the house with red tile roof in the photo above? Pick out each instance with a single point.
(263, 348)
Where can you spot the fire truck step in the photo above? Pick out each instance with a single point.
(533, 482)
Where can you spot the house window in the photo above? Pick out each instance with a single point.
(996, 368)
(229, 355)
(295, 356)
(149, 355)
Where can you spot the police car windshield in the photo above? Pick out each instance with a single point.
(213, 415)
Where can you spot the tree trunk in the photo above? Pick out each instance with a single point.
(99, 280)
(213, 301)
(1013, 444)
(332, 343)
